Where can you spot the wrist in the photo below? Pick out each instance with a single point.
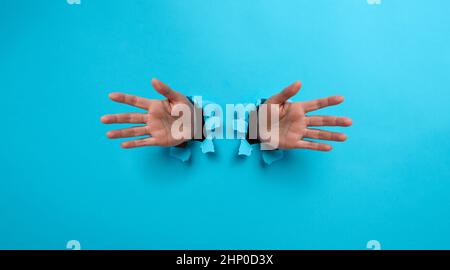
(197, 121)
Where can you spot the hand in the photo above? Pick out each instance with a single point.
(157, 120)
(294, 125)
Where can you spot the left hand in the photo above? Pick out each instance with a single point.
(156, 121)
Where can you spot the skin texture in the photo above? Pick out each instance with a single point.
(294, 124)
(157, 121)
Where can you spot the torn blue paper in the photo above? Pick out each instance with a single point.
(271, 156)
(210, 125)
(181, 153)
(207, 146)
(245, 149)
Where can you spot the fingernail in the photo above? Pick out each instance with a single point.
(113, 95)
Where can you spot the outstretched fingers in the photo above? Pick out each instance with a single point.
(320, 103)
(166, 91)
(132, 100)
(285, 94)
(125, 118)
(128, 132)
(328, 121)
(313, 145)
(140, 143)
(324, 135)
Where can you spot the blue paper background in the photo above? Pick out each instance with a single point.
(62, 179)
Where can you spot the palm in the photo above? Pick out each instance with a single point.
(160, 122)
(295, 125)
(157, 121)
(292, 124)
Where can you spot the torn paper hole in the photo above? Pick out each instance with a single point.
(181, 153)
(245, 149)
(271, 156)
(207, 146)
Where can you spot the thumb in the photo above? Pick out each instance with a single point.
(166, 91)
(285, 94)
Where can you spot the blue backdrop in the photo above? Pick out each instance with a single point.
(62, 179)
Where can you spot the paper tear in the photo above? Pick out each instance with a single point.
(181, 153)
(245, 149)
(207, 146)
(271, 156)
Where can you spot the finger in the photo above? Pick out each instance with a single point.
(322, 103)
(166, 91)
(328, 121)
(324, 135)
(128, 132)
(139, 143)
(132, 100)
(286, 94)
(313, 146)
(132, 118)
